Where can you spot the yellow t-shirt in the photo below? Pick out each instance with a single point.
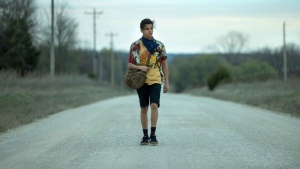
(154, 74)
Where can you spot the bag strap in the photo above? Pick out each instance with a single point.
(149, 56)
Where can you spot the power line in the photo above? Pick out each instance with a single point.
(83, 4)
(107, 26)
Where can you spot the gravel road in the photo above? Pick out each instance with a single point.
(193, 132)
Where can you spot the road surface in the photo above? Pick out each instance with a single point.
(193, 132)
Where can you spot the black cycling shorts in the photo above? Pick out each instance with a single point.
(149, 92)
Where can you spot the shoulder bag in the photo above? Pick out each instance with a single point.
(135, 78)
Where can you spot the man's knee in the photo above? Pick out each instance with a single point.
(144, 110)
(154, 106)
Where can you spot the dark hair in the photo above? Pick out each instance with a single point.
(146, 21)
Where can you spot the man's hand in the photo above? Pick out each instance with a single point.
(166, 88)
(165, 70)
(144, 68)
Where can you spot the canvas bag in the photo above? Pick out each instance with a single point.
(135, 78)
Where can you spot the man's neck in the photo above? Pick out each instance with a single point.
(148, 38)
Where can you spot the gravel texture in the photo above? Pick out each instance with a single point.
(193, 132)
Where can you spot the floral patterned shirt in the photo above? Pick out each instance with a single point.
(138, 55)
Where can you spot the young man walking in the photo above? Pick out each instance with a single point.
(140, 50)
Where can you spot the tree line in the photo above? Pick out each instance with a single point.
(25, 47)
(221, 67)
(17, 50)
(25, 38)
(25, 41)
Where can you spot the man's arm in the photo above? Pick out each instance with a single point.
(142, 68)
(131, 64)
(165, 70)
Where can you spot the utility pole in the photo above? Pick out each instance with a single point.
(94, 13)
(121, 73)
(112, 59)
(52, 53)
(101, 68)
(284, 55)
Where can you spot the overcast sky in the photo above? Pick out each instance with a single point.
(185, 26)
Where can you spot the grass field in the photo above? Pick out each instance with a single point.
(273, 95)
(23, 100)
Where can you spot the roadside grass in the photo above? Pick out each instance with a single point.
(24, 100)
(272, 95)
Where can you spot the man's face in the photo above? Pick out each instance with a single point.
(147, 31)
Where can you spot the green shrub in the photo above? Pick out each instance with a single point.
(193, 71)
(253, 70)
(17, 51)
(92, 76)
(221, 74)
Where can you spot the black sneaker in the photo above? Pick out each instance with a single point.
(153, 140)
(145, 140)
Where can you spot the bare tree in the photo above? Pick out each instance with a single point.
(65, 37)
(65, 34)
(233, 42)
(2, 23)
(22, 10)
(16, 10)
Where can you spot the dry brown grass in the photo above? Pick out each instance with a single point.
(273, 95)
(23, 100)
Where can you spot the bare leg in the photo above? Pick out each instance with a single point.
(154, 114)
(144, 117)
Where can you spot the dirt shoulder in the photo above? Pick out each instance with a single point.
(276, 96)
